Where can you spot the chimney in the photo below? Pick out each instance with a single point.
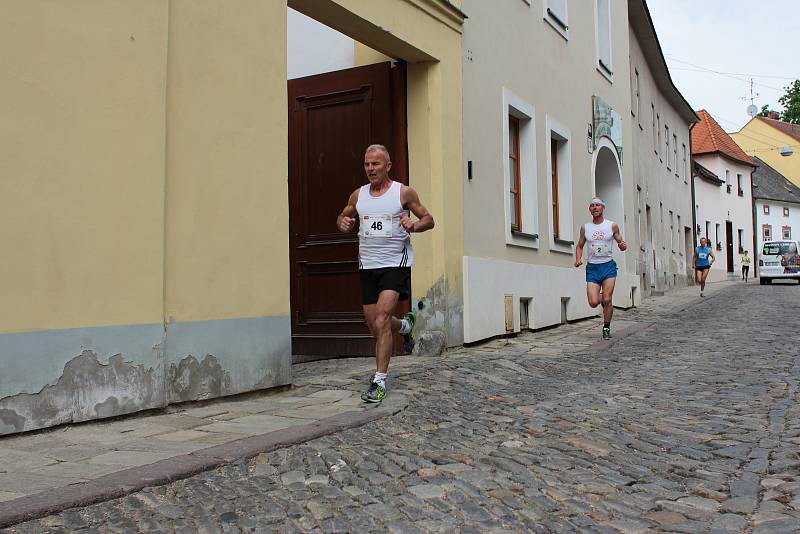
(774, 115)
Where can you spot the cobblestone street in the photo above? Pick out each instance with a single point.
(687, 422)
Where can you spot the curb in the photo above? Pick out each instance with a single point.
(127, 481)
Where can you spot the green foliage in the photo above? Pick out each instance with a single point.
(765, 111)
(791, 103)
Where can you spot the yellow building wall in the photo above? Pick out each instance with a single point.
(227, 197)
(145, 195)
(82, 162)
(757, 138)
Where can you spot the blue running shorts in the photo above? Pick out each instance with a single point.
(596, 273)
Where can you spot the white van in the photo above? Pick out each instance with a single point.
(779, 259)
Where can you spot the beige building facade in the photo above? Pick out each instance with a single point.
(145, 183)
(661, 160)
(546, 127)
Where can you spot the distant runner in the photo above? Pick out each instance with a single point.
(601, 269)
(380, 210)
(745, 266)
(703, 259)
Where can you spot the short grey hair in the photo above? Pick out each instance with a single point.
(378, 148)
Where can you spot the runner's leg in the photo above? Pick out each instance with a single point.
(593, 294)
(385, 325)
(608, 304)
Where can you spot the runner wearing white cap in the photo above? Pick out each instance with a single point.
(601, 269)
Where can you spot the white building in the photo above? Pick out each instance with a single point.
(777, 205)
(723, 195)
(546, 127)
(660, 118)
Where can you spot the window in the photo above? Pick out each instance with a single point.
(555, 13)
(728, 180)
(603, 29)
(658, 129)
(675, 152)
(666, 144)
(739, 184)
(785, 212)
(655, 130)
(671, 231)
(741, 240)
(766, 231)
(559, 185)
(519, 171)
(636, 95)
(685, 167)
(766, 209)
(708, 234)
(554, 184)
(716, 237)
(513, 171)
(787, 232)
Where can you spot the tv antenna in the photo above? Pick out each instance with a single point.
(752, 109)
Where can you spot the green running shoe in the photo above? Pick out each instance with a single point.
(410, 339)
(375, 393)
(606, 332)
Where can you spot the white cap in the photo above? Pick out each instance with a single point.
(597, 200)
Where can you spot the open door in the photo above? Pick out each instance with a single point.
(333, 117)
(729, 244)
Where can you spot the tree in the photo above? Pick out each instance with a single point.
(791, 103)
(765, 111)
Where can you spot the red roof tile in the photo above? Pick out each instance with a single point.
(792, 130)
(708, 137)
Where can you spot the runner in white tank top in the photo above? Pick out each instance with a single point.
(382, 240)
(601, 269)
(381, 209)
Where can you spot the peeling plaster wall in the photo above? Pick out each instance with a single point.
(207, 359)
(64, 376)
(61, 376)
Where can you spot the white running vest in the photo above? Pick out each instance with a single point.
(382, 241)
(599, 241)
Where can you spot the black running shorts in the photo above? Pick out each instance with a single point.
(373, 281)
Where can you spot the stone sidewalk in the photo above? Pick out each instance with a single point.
(77, 465)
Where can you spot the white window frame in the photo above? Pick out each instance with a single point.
(554, 19)
(556, 130)
(607, 70)
(784, 229)
(529, 203)
(785, 211)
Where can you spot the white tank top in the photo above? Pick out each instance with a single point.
(382, 241)
(600, 241)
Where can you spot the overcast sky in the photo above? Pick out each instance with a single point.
(742, 38)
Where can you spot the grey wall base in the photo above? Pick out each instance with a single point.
(60, 376)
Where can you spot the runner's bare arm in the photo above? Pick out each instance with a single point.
(410, 201)
(711, 255)
(579, 248)
(694, 259)
(618, 237)
(346, 220)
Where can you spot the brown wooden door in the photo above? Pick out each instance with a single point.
(333, 117)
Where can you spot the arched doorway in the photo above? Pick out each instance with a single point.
(608, 180)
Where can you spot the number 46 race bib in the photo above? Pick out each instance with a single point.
(376, 225)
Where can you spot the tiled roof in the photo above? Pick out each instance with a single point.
(792, 130)
(708, 137)
(772, 185)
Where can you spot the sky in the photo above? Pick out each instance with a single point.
(743, 39)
